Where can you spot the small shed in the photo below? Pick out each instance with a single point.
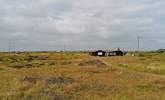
(99, 53)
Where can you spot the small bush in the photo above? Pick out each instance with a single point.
(52, 63)
(93, 62)
(52, 96)
(38, 58)
(29, 79)
(142, 55)
(65, 63)
(60, 80)
(18, 66)
(29, 65)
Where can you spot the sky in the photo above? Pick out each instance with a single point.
(43, 25)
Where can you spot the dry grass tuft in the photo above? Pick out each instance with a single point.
(93, 62)
(30, 79)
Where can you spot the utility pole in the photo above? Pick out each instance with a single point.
(138, 40)
(64, 47)
(10, 46)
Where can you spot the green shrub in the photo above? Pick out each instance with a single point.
(60, 80)
(65, 62)
(52, 63)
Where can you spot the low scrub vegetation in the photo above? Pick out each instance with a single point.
(79, 76)
(93, 62)
(60, 80)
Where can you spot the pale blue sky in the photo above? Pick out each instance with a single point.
(81, 24)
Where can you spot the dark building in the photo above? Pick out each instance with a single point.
(161, 50)
(116, 53)
(108, 53)
(99, 53)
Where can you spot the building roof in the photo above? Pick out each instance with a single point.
(161, 50)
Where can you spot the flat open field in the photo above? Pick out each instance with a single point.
(79, 76)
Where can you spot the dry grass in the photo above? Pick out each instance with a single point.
(78, 76)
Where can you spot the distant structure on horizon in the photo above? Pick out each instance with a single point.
(161, 50)
(103, 53)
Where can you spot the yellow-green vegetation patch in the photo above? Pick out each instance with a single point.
(79, 76)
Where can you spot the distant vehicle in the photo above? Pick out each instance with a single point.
(108, 53)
